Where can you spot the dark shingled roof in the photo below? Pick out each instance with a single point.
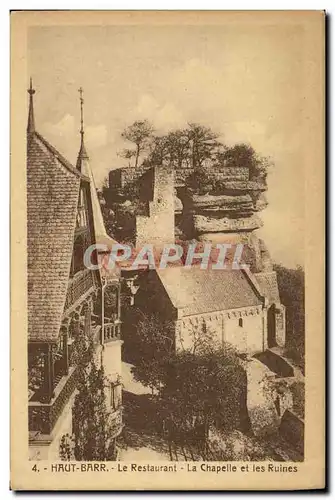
(52, 199)
(197, 291)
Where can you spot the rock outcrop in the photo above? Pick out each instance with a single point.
(206, 224)
(221, 205)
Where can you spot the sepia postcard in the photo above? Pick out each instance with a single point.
(167, 250)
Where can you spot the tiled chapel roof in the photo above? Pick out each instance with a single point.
(269, 286)
(198, 291)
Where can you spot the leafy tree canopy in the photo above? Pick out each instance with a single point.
(139, 133)
(208, 386)
(196, 146)
(202, 382)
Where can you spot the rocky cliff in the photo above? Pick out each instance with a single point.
(219, 204)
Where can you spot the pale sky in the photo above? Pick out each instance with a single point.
(245, 82)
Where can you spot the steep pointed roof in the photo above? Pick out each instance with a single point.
(52, 200)
(53, 186)
(82, 155)
(99, 225)
(83, 165)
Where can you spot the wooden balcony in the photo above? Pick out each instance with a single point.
(43, 416)
(81, 283)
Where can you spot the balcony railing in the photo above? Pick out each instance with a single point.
(43, 416)
(112, 331)
(81, 283)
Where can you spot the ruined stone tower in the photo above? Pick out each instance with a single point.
(156, 226)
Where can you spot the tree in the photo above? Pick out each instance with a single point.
(140, 134)
(173, 147)
(195, 146)
(202, 339)
(91, 419)
(244, 155)
(159, 151)
(291, 284)
(199, 181)
(185, 148)
(153, 345)
(92, 428)
(204, 144)
(196, 149)
(178, 146)
(207, 387)
(118, 211)
(202, 384)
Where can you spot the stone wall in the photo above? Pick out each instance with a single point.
(122, 177)
(231, 173)
(244, 330)
(241, 328)
(264, 418)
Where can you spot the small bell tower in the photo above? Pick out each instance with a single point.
(83, 165)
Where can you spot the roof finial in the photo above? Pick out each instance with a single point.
(31, 120)
(81, 111)
(82, 152)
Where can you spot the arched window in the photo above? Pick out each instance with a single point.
(240, 322)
